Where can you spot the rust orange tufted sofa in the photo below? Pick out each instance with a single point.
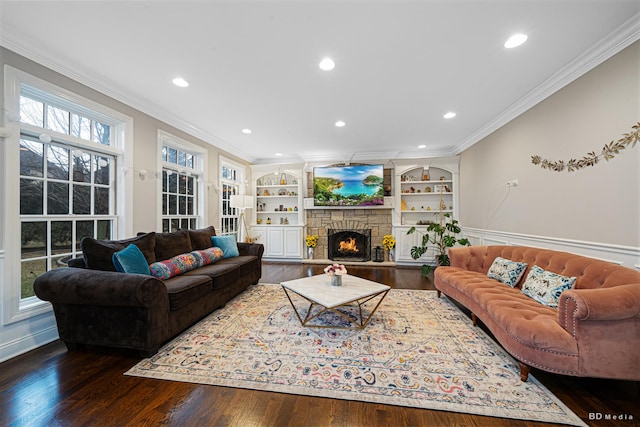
(594, 332)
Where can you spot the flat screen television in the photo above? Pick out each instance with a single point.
(359, 185)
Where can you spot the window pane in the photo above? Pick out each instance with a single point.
(192, 224)
(101, 201)
(81, 200)
(165, 225)
(60, 237)
(190, 206)
(80, 127)
(33, 236)
(83, 229)
(184, 223)
(182, 184)
(31, 112)
(104, 230)
(31, 270)
(101, 133)
(101, 168)
(182, 158)
(31, 158)
(173, 183)
(182, 205)
(164, 153)
(173, 204)
(57, 119)
(165, 179)
(172, 156)
(190, 185)
(31, 196)
(57, 198)
(164, 204)
(57, 162)
(81, 167)
(175, 224)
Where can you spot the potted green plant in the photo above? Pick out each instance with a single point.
(441, 236)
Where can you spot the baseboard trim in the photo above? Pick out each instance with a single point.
(27, 343)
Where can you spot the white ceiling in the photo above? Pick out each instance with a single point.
(400, 65)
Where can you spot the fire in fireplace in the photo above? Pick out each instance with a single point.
(349, 245)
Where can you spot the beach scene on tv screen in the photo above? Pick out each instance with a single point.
(359, 185)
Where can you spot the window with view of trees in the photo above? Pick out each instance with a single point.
(181, 171)
(67, 191)
(231, 178)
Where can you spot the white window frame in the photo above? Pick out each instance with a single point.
(199, 170)
(14, 308)
(240, 181)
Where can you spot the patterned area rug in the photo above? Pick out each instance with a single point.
(418, 350)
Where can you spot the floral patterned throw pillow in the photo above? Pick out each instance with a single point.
(208, 256)
(172, 267)
(545, 286)
(507, 271)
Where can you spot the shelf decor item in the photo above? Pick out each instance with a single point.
(389, 243)
(311, 242)
(335, 271)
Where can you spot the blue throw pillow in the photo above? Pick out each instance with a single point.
(130, 260)
(228, 245)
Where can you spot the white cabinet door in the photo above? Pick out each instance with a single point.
(405, 242)
(293, 242)
(275, 242)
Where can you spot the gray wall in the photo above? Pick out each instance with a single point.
(596, 204)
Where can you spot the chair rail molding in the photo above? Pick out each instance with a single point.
(627, 256)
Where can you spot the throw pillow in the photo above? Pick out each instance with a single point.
(172, 267)
(201, 238)
(228, 245)
(507, 271)
(208, 256)
(545, 286)
(130, 260)
(98, 254)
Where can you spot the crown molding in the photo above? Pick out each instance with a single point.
(620, 38)
(19, 45)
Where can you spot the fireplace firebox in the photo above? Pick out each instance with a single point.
(349, 244)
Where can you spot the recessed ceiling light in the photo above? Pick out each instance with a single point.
(278, 154)
(515, 41)
(247, 131)
(340, 124)
(327, 64)
(449, 115)
(180, 82)
(422, 146)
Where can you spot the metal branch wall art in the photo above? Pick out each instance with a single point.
(590, 159)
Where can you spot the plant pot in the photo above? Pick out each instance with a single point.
(336, 280)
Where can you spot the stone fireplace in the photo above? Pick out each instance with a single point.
(349, 244)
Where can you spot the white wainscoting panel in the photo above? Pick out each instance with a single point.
(622, 255)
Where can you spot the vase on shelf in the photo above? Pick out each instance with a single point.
(336, 280)
(309, 252)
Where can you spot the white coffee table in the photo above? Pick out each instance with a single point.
(318, 291)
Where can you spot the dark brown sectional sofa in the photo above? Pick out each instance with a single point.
(96, 306)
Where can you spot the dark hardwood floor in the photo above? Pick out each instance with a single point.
(52, 386)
